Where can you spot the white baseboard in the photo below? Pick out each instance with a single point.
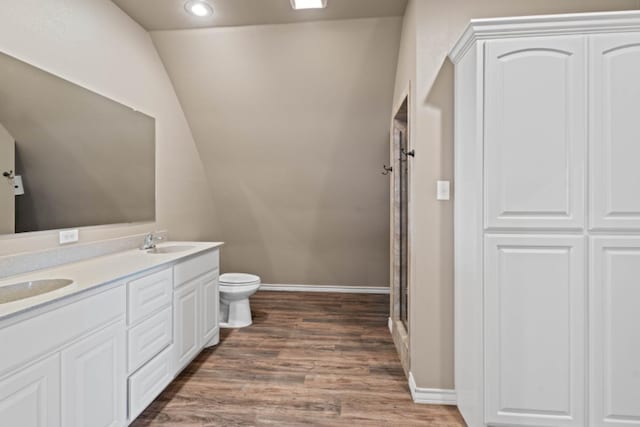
(432, 396)
(326, 288)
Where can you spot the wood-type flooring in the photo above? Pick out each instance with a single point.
(309, 359)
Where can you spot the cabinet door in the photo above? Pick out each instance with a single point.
(31, 397)
(535, 315)
(615, 131)
(210, 303)
(94, 380)
(535, 140)
(186, 324)
(615, 331)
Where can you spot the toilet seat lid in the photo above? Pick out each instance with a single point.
(238, 278)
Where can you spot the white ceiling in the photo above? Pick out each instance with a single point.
(170, 14)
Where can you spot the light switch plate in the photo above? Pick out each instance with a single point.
(443, 191)
(69, 236)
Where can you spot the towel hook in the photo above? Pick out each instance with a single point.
(406, 153)
(387, 169)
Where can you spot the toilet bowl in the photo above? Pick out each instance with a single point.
(235, 290)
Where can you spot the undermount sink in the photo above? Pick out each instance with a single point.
(169, 249)
(24, 290)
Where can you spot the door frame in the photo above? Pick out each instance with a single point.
(399, 331)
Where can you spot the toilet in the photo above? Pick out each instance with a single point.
(235, 290)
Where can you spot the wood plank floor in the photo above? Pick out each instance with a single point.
(309, 359)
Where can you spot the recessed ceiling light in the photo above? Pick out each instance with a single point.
(308, 4)
(198, 8)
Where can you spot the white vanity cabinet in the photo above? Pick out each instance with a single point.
(547, 221)
(173, 315)
(99, 357)
(150, 333)
(196, 304)
(66, 367)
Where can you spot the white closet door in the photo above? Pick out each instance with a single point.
(535, 136)
(615, 131)
(615, 331)
(535, 315)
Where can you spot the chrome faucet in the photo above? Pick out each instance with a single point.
(150, 241)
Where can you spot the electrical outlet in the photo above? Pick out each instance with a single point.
(68, 236)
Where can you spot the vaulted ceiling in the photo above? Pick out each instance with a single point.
(291, 122)
(171, 15)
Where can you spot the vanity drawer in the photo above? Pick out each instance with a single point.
(149, 337)
(146, 384)
(194, 267)
(148, 294)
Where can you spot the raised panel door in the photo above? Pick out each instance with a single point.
(535, 315)
(615, 131)
(94, 380)
(210, 306)
(615, 331)
(31, 397)
(187, 311)
(535, 133)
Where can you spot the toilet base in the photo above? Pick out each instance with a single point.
(235, 314)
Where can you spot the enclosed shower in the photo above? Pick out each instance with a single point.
(399, 172)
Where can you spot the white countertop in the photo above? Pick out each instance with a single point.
(94, 272)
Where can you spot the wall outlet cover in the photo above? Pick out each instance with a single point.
(18, 188)
(69, 236)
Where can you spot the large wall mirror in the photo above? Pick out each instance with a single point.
(68, 156)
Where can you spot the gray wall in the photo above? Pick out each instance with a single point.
(432, 28)
(292, 125)
(94, 44)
